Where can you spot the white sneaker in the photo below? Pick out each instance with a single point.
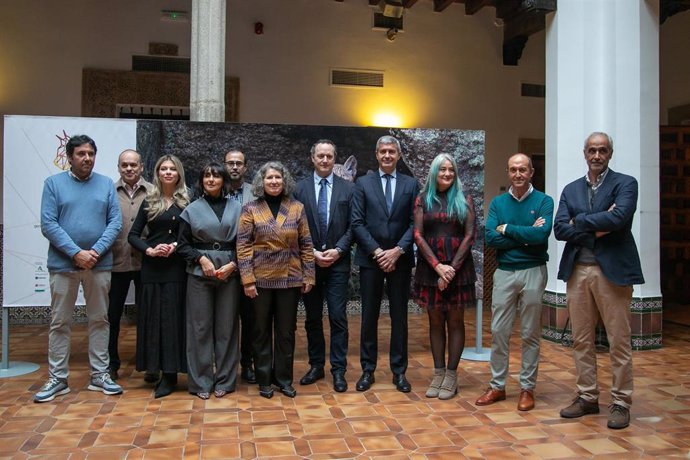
(52, 388)
(103, 382)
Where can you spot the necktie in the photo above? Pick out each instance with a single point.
(389, 192)
(323, 210)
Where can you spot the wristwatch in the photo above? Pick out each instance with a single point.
(402, 251)
(340, 251)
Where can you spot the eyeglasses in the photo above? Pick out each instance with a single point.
(234, 163)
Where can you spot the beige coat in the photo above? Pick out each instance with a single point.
(126, 258)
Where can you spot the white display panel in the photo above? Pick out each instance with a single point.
(34, 150)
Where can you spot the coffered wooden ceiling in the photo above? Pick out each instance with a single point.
(521, 18)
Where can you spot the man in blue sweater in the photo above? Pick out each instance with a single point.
(80, 217)
(518, 226)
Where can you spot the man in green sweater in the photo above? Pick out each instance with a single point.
(518, 226)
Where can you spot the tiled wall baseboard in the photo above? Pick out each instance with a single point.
(645, 321)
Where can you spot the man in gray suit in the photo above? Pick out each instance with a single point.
(236, 167)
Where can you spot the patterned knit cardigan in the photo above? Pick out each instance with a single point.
(275, 253)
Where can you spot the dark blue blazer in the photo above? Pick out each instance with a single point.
(338, 234)
(616, 253)
(373, 227)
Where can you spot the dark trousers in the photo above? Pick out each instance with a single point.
(246, 330)
(398, 291)
(119, 287)
(275, 322)
(332, 286)
(212, 333)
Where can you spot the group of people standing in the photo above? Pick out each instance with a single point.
(600, 264)
(244, 253)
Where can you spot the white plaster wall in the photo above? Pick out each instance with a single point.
(444, 71)
(674, 63)
(44, 45)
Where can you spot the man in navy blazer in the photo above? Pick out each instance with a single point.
(600, 263)
(382, 221)
(327, 200)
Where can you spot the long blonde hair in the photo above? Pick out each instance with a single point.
(156, 203)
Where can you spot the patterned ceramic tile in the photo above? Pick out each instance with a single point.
(321, 424)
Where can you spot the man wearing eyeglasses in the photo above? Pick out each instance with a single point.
(600, 264)
(240, 191)
(518, 227)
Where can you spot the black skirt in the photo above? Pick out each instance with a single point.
(161, 344)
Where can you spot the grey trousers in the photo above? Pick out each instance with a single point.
(64, 287)
(213, 347)
(519, 291)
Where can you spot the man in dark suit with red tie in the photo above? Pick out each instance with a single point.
(327, 199)
(382, 221)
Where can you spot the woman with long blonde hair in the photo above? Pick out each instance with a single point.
(161, 314)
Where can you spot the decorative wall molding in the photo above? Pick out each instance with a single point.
(103, 90)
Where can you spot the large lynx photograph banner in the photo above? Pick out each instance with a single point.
(34, 149)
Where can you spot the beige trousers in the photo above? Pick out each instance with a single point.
(589, 292)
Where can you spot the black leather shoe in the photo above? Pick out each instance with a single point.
(401, 383)
(288, 391)
(339, 382)
(312, 375)
(165, 386)
(365, 381)
(248, 375)
(266, 391)
(114, 374)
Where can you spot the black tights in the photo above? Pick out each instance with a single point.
(455, 321)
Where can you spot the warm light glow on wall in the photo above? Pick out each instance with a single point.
(387, 119)
(388, 111)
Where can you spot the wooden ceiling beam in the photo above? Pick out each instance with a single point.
(672, 7)
(473, 6)
(520, 23)
(440, 5)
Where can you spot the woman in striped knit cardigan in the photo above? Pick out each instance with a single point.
(276, 260)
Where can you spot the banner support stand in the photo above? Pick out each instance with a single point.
(478, 353)
(14, 368)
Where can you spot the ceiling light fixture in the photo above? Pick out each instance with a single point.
(391, 34)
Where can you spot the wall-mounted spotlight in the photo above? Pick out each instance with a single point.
(391, 34)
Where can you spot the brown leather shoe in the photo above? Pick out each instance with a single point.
(526, 401)
(490, 396)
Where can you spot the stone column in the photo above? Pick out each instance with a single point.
(602, 74)
(207, 80)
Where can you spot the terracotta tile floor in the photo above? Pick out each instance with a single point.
(320, 423)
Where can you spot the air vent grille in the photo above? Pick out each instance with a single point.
(532, 90)
(366, 78)
(385, 22)
(161, 64)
